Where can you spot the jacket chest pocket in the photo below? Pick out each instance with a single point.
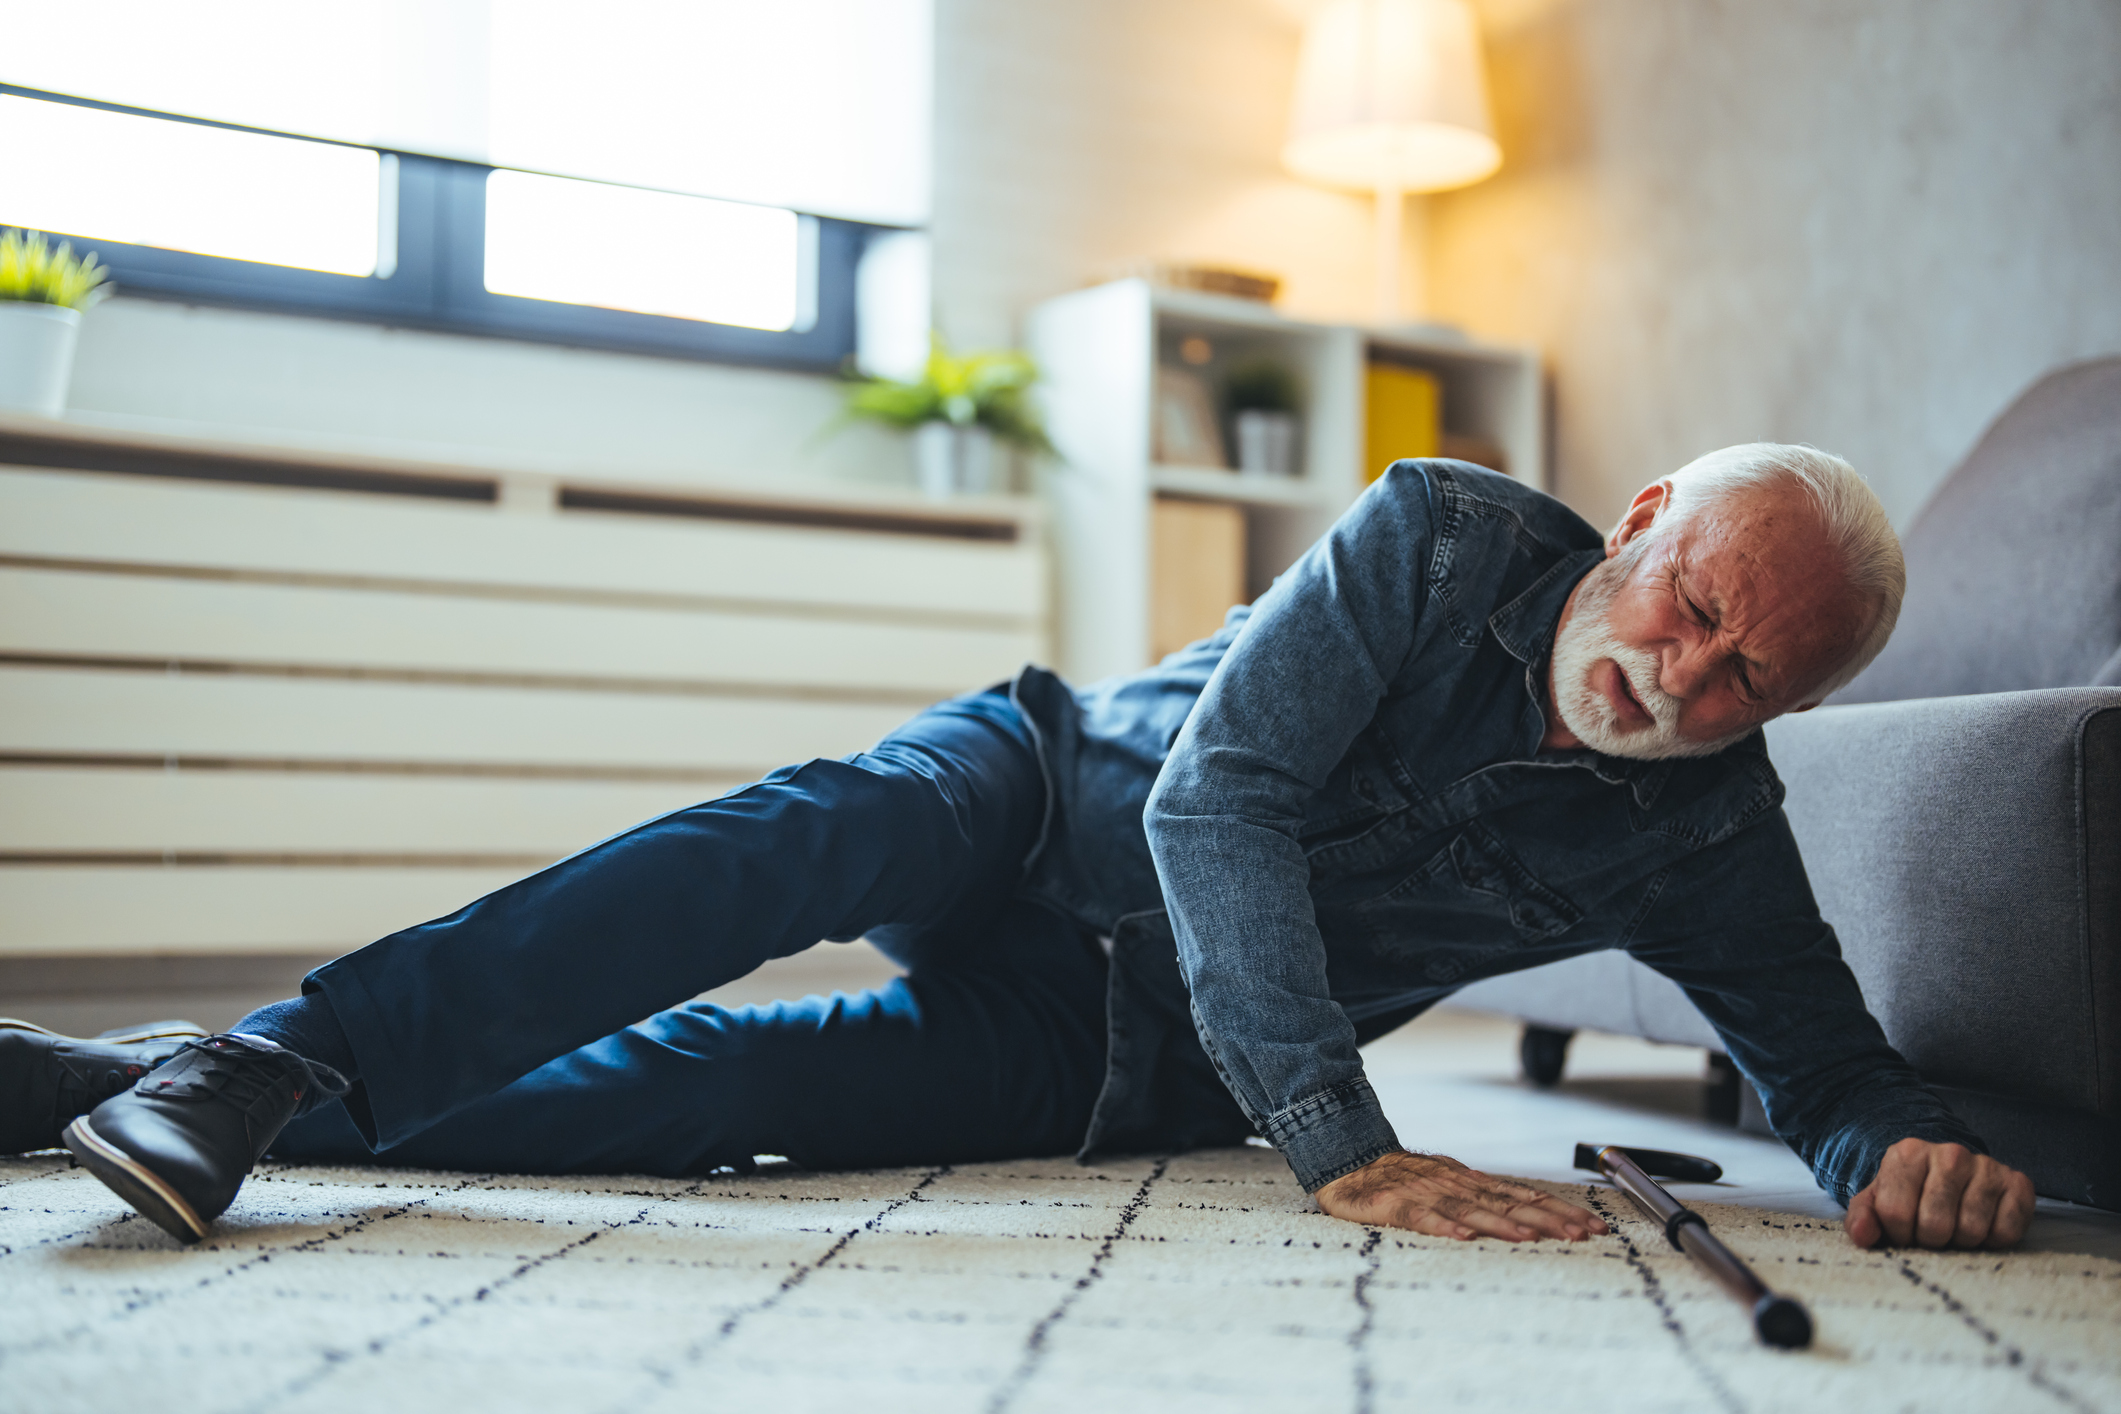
(1472, 897)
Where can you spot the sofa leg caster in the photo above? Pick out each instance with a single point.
(1544, 1053)
(1719, 1095)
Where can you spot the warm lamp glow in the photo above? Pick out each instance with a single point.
(1390, 98)
(1438, 155)
(1389, 93)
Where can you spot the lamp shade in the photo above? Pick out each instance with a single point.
(1390, 95)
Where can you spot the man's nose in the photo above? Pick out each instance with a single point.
(1688, 661)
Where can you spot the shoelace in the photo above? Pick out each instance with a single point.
(244, 1076)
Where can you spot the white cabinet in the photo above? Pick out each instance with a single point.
(1101, 349)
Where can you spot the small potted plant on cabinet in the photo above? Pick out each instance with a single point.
(960, 406)
(1262, 397)
(42, 294)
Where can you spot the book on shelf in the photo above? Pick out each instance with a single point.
(1403, 416)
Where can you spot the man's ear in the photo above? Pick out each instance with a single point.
(1649, 503)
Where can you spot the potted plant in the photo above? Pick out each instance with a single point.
(959, 407)
(1262, 397)
(42, 294)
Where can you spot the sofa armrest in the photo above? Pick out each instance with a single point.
(1968, 852)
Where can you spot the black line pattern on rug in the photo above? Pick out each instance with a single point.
(335, 1360)
(667, 1378)
(266, 1253)
(1654, 1289)
(1359, 1338)
(2012, 1355)
(58, 1167)
(1035, 1343)
(149, 1299)
(57, 1238)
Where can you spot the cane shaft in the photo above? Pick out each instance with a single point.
(1777, 1319)
(1719, 1261)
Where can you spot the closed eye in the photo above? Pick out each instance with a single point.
(1700, 618)
(1694, 612)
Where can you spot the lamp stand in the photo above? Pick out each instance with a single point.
(1399, 300)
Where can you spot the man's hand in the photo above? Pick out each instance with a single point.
(1940, 1195)
(1443, 1198)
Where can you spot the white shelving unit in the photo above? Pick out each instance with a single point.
(1100, 349)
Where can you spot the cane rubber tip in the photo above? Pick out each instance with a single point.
(1782, 1323)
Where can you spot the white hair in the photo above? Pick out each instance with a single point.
(1854, 520)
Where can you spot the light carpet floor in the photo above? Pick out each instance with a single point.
(1201, 1282)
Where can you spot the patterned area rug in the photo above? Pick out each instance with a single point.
(1202, 1282)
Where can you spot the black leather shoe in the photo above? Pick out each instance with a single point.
(180, 1142)
(47, 1079)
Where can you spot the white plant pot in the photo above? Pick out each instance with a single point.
(1267, 443)
(36, 356)
(953, 460)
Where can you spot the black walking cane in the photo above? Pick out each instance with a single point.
(1777, 1320)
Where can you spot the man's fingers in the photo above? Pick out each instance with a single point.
(1978, 1206)
(1485, 1221)
(1432, 1223)
(1951, 1169)
(1521, 1201)
(1548, 1223)
(1861, 1224)
(1556, 1217)
(1895, 1195)
(2014, 1213)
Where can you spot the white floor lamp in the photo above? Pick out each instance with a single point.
(1390, 98)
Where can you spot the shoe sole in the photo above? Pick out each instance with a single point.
(118, 1171)
(153, 1031)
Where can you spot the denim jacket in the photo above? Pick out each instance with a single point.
(1315, 824)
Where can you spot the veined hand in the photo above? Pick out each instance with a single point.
(1431, 1194)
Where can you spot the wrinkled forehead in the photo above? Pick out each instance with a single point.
(1772, 539)
(1775, 576)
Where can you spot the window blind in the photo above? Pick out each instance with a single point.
(819, 106)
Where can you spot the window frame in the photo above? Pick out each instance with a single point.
(438, 282)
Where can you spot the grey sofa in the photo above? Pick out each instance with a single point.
(1959, 808)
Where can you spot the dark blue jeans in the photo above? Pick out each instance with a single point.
(508, 1036)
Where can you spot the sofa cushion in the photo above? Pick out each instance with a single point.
(1963, 849)
(2014, 567)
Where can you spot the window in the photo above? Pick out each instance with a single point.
(186, 186)
(690, 257)
(494, 166)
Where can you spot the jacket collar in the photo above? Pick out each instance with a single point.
(1525, 625)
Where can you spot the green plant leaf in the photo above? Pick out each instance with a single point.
(985, 388)
(31, 271)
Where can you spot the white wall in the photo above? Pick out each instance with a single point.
(1865, 224)
(1073, 137)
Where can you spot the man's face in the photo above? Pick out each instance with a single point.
(1684, 641)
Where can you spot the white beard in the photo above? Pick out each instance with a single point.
(1585, 710)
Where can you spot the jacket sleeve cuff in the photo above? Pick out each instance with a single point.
(1332, 1133)
(1866, 1153)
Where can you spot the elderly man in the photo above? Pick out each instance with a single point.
(1461, 736)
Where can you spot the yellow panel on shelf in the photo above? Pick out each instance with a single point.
(1196, 570)
(1404, 416)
